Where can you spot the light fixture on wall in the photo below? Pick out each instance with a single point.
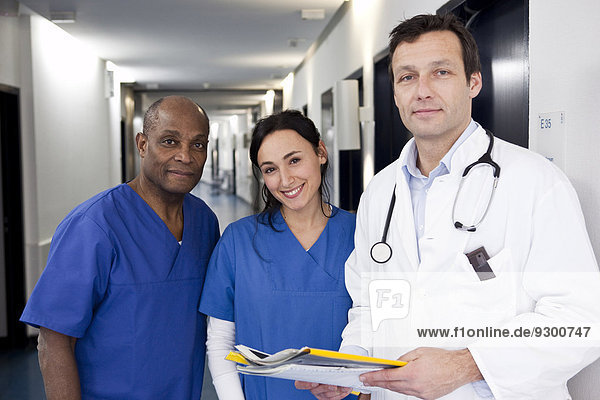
(269, 101)
(109, 83)
(62, 17)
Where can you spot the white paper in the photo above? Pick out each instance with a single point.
(339, 376)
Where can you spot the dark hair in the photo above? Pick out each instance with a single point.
(410, 30)
(288, 119)
(151, 116)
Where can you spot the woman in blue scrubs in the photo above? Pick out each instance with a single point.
(276, 279)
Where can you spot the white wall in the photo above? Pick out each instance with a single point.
(36, 250)
(564, 62)
(71, 123)
(69, 129)
(9, 48)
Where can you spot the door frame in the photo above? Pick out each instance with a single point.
(12, 201)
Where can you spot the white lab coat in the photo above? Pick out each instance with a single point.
(546, 273)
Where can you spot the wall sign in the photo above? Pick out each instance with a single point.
(551, 137)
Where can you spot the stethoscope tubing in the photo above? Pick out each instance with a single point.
(388, 218)
(486, 158)
(381, 252)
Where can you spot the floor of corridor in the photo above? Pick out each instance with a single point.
(20, 377)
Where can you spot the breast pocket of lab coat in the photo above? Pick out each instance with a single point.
(457, 297)
(485, 303)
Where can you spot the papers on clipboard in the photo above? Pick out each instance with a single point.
(310, 365)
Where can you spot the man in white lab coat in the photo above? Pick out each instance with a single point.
(503, 273)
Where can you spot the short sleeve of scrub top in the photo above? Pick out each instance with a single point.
(221, 275)
(74, 280)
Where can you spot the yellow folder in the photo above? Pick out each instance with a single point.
(310, 365)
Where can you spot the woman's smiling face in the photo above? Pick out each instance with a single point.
(291, 168)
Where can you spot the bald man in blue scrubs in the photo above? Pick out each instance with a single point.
(117, 302)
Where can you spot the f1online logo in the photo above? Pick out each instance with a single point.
(389, 299)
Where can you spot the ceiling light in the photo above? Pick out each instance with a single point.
(313, 14)
(62, 17)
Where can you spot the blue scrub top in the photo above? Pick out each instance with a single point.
(119, 281)
(278, 294)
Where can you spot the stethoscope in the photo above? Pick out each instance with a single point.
(381, 252)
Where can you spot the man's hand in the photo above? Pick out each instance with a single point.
(324, 392)
(429, 374)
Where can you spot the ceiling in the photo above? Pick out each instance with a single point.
(196, 44)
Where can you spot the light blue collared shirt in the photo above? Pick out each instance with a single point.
(419, 184)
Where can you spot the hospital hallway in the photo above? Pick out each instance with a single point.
(77, 78)
(20, 377)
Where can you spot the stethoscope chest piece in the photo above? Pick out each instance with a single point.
(381, 252)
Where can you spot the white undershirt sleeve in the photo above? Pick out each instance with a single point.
(219, 342)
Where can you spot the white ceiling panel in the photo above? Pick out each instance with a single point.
(193, 44)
